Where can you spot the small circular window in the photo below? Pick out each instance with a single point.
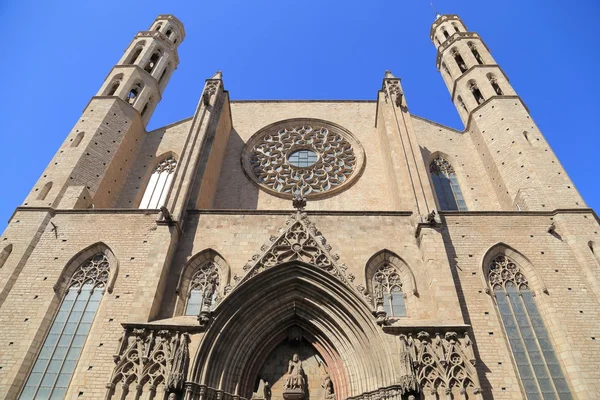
(312, 157)
(303, 158)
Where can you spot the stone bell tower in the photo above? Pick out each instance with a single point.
(90, 167)
(523, 170)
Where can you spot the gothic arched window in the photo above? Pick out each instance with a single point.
(494, 83)
(446, 185)
(459, 60)
(60, 352)
(387, 284)
(476, 93)
(159, 184)
(203, 286)
(538, 366)
(476, 53)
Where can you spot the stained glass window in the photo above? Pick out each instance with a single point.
(538, 367)
(387, 283)
(446, 185)
(204, 284)
(54, 367)
(159, 185)
(303, 158)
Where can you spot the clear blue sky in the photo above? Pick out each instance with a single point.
(56, 55)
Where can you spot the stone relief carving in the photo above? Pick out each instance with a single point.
(299, 239)
(442, 363)
(147, 359)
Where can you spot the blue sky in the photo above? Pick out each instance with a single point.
(56, 55)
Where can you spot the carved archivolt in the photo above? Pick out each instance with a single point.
(148, 360)
(332, 158)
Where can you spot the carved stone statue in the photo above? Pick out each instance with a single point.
(295, 375)
(293, 387)
(328, 386)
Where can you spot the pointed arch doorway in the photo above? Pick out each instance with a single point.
(293, 308)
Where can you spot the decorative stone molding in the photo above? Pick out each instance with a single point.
(148, 357)
(336, 158)
(298, 240)
(442, 362)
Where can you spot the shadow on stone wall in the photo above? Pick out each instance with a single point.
(482, 369)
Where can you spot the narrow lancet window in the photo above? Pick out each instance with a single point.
(113, 88)
(495, 86)
(476, 54)
(531, 346)
(152, 62)
(476, 93)
(446, 70)
(55, 364)
(164, 73)
(147, 106)
(462, 104)
(4, 254)
(445, 32)
(159, 184)
(459, 60)
(446, 185)
(134, 56)
(387, 285)
(45, 190)
(204, 289)
(134, 93)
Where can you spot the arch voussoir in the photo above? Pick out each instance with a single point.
(254, 319)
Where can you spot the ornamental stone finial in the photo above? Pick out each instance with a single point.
(298, 201)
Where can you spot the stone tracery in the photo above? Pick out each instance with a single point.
(504, 270)
(333, 158)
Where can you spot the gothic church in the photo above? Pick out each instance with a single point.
(302, 250)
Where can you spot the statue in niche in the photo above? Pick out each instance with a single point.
(263, 391)
(293, 387)
(327, 383)
(328, 386)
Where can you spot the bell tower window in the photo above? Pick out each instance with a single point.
(152, 62)
(476, 93)
(134, 93)
(459, 60)
(476, 53)
(495, 86)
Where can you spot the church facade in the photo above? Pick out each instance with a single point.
(302, 250)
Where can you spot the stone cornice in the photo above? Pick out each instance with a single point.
(470, 119)
(439, 20)
(365, 213)
(174, 19)
(458, 36)
(474, 67)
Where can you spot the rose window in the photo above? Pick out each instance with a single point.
(311, 157)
